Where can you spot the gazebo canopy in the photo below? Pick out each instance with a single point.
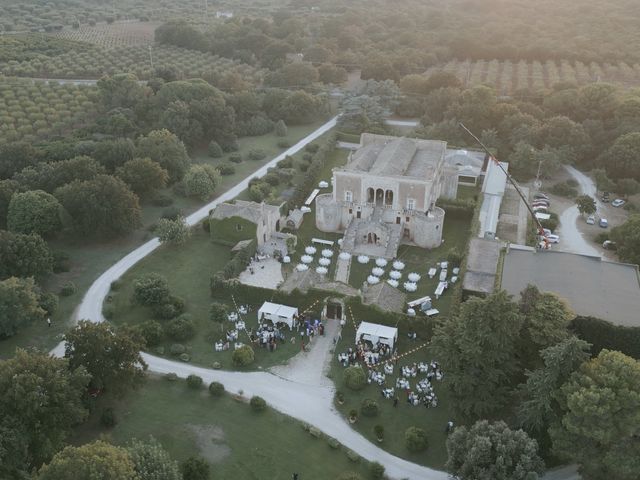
(375, 333)
(278, 313)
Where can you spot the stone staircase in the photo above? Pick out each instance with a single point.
(349, 239)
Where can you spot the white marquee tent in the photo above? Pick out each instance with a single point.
(278, 313)
(375, 333)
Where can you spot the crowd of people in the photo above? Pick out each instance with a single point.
(370, 355)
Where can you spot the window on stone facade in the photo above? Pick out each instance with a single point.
(350, 211)
(408, 219)
(348, 196)
(411, 203)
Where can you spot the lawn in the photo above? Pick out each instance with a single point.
(238, 442)
(188, 269)
(396, 420)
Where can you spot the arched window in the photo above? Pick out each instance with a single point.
(379, 197)
(370, 195)
(388, 198)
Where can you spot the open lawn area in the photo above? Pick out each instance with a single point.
(455, 234)
(239, 444)
(396, 420)
(188, 269)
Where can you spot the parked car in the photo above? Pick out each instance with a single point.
(605, 197)
(604, 223)
(541, 195)
(609, 245)
(553, 238)
(591, 220)
(546, 231)
(618, 202)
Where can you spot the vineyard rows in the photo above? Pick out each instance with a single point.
(31, 110)
(112, 36)
(94, 63)
(507, 77)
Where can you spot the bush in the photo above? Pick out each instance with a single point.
(258, 404)
(61, 262)
(552, 223)
(564, 189)
(286, 162)
(454, 257)
(171, 213)
(162, 200)
(150, 289)
(48, 302)
(152, 332)
(256, 154)
(181, 328)
(315, 432)
(378, 431)
(116, 285)
(283, 144)
(217, 312)
(333, 443)
(108, 418)
(354, 457)
(170, 308)
(415, 439)
(214, 150)
(177, 349)
(312, 147)
(171, 377)
(243, 356)
(605, 335)
(226, 169)
(369, 408)
(68, 289)
(307, 157)
(216, 389)
(281, 128)
(194, 382)
(272, 178)
(376, 470)
(235, 158)
(194, 468)
(355, 377)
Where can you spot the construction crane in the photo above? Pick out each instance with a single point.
(536, 220)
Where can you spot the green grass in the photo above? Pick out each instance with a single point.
(265, 445)
(188, 269)
(456, 235)
(396, 420)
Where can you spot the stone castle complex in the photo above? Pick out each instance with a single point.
(386, 194)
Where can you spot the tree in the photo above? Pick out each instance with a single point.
(301, 107)
(112, 357)
(173, 232)
(586, 204)
(167, 150)
(103, 206)
(7, 189)
(49, 176)
(492, 451)
(621, 159)
(603, 183)
(34, 212)
(201, 181)
(332, 74)
(243, 356)
(94, 461)
(152, 462)
(627, 238)
(24, 255)
(16, 156)
(627, 186)
(195, 468)
(214, 150)
(217, 312)
(362, 113)
(41, 400)
(298, 75)
(539, 407)
(354, 377)
(18, 305)
(122, 91)
(143, 175)
(112, 154)
(477, 349)
(151, 289)
(415, 439)
(599, 426)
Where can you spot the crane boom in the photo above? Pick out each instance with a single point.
(513, 182)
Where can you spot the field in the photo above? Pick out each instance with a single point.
(30, 110)
(238, 443)
(112, 36)
(94, 62)
(507, 77)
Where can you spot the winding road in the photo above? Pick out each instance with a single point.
(571, 238)
(299, 389)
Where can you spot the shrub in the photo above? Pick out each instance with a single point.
(315, 432)
(216, 389)
(605, 335)
(369, 408)
(415, 439)
(283, 144)
(194, 382)
(243, 356)
(68, 289)
(454, 257)
(201, 181)
(281, 128)
(312, 147)
(194, 468)
(552, 223)
(226, 169)
(272, 178)
(354, 457)
(217, 312)
(152, 332)
(378, 431)
(181, 328)
(162, 200)
(171, 213)
(235, 158)
(286, 162)
(115, 285)
(258, 404)
(256, 154)
(177, 349)
(170, 308)
(48, 302)
(307, 157)
(108, 418)
(214, 150)
(355, 378)
(185, 357)
(150, 289)
(564, 189)
(171, 377)
(353, 414)
(60, 262)
(333, 443)
(376, 470)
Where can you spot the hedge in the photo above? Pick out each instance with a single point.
(605, 335)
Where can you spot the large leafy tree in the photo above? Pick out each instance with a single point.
(143, 175)
(173, 232)
(152, 462)
(49, 176)
(16, 156)
(18, 305)
(621, 159)
(627, 238)
(34, 212)
(492, 451)
(40, 401)
(114, 153)
(94, 461)
(201, 181)
(601, 421)
(586, 204)
(23, 255)
(167, 150)
(103, 206)
(112, 357)
(122, 91)
(7, 189)
(478, 350)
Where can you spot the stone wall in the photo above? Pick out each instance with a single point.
(426, 230)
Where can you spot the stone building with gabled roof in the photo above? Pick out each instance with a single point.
(386, 195)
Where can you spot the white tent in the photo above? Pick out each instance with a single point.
(278, 313)
(377, 333)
